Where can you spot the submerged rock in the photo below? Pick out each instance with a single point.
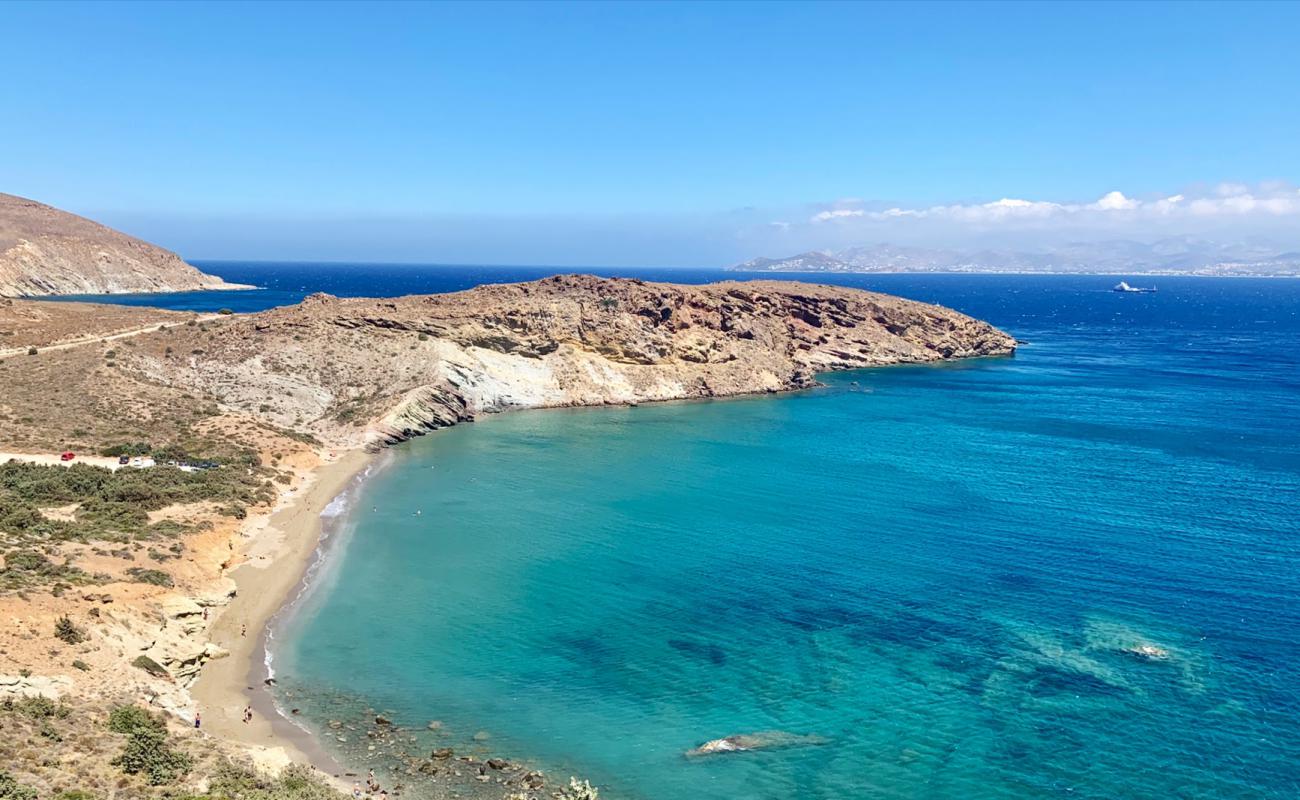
(1149, 652)
(763, 740)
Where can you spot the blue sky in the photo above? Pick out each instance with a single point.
(648, 133)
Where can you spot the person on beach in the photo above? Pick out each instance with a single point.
(198, 721)
(248, 714)
(243, 629)
(356, 790)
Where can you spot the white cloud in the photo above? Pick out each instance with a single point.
(1115, 201)
(1229, 200)
(838, 213)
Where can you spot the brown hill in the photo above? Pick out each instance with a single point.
(352, 370)
(45, 251)
(366, 371)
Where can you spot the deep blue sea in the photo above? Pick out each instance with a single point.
(936, 574)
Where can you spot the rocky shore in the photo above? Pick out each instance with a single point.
(424, 759)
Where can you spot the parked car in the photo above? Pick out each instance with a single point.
(68, 456)
(124, 460)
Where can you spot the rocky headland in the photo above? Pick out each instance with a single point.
(45, 251)
(357, 372)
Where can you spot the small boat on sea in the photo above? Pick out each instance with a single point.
(1123, 287)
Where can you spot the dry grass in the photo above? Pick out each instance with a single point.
(26, 323)
(58, 749)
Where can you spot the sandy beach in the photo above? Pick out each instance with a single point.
(278, 552)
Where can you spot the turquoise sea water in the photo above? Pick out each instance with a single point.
(937, 571)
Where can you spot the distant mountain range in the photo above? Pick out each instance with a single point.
(1183, 255)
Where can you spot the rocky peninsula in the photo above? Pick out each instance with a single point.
(354, 372)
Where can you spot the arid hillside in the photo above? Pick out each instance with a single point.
(350, 372)
(354, 371)
(45, 251)
(31, 324)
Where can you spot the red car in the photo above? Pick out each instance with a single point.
(68, 456)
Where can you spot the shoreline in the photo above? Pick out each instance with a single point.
(261, 666)
(278, 555)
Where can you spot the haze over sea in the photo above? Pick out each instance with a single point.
(940, 572)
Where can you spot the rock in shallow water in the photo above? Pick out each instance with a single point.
(763, 740)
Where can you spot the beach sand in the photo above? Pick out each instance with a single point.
(277, 556)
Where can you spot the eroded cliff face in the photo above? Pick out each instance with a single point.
(45, 251)
(374, 371)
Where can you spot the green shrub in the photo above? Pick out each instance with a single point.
(153, 576)
(65, 630)
(11, 789)
(74, 794)
(295, 782)
(81, 665)
(150, 666)
(147, 751)
(128, 449)
(38, 707)
(225, 311)
(48, 731)
(131, 718)
(26, 561)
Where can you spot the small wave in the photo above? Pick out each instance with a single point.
(331, 524)
(268, 659)
(336, 507)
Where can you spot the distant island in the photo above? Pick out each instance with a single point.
(45, 251)
(1182, 255)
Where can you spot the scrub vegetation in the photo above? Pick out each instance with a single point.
(53, 750)
(106, 506)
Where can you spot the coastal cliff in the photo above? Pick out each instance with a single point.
(45, 251)
(372, 371)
